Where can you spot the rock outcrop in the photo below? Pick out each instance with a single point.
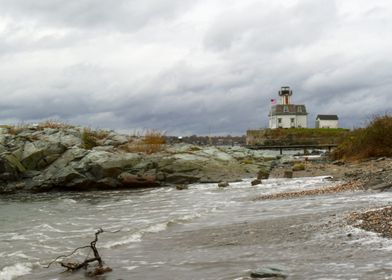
(38, 159)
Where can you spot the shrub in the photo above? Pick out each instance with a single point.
(298, 167)
(88, 139)
(247, 161)
(375, 140)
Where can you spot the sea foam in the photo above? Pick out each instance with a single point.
(14, 271)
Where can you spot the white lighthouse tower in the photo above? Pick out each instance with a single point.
(285, 114)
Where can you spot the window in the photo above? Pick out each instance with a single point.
(299, 109)
(285, 109)
(292, 120)
(279, 120)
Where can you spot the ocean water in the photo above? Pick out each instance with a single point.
(145, 232)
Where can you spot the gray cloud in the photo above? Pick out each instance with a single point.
(120, 14)
(261, 26)
(190, 67)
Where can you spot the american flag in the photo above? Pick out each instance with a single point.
(273, 101)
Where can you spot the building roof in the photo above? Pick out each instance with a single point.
(289, 109)
(327, 117)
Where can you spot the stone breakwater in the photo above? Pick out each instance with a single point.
(37, 159)
(378, 220)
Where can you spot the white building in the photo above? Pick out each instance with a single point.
(327, 121)
(285, 114)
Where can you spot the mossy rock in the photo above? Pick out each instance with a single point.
(298, 167)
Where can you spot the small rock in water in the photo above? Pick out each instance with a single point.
(223, 184)
(288, 174)
(268, 272)
(181, 187)
(256, 182)
(328, 178)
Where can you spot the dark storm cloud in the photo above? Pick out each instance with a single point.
(190, 67)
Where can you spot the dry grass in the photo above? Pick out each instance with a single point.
(54, 124)
(375, 140)
(16, 129)
(153, 141)
(100, 134)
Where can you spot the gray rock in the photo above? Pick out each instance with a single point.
(2, 149)
(69, 138)
(256, 182)
(39, 154)
(181, 178)
(134, 181)
(288, 174)
(269, 272)
(115, 139)
(104, 164)
(381, 186)
(182, 187)
(223, 184)
(10, 168)
(4, 130)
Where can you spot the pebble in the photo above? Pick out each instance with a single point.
(350, 186)
(378, 221)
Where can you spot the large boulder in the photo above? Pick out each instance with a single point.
(115, 139)
(39, 154)
(80, 169)
(60, 173)
(10, 167)
(68, 138)
(103, 164)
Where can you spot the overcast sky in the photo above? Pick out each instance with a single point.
(192, 66)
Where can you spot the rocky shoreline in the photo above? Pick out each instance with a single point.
(41, 159)
(65, 158)
(368, 175)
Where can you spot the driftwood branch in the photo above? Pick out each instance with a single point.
(70, 266)
(66, 256)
